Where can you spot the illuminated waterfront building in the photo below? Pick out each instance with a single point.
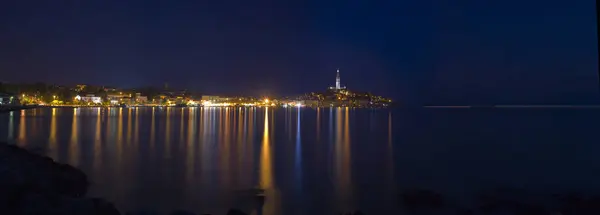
(8, 99)
(210, 98)
(141, 99)
(90, 98)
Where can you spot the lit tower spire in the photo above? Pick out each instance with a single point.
(337, 80)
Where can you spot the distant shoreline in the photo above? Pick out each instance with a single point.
(175, 106)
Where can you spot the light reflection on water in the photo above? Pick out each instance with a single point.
(74, 142)
(97, 160)
(53, 148)
(306, 160)
(22, 130)
(266, 170)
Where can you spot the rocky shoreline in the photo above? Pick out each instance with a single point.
(33, 184)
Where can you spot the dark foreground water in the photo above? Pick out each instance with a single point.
(311, 161)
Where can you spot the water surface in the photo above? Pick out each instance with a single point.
(310, 161)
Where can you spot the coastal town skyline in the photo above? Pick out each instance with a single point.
(169, 86)
(86, 95)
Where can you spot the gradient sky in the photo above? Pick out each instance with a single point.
(423, 51)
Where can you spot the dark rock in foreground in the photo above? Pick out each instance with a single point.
(420, 199)
(235, 212)
(353, 213)
(182, 212)
(41, 174)
(32, 184)
(574, 203)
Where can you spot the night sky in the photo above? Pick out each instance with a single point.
(418, 51)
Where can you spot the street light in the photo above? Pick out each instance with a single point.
(54, 97)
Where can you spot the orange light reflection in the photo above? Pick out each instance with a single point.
(97, 141)
(153, 130)
(190, 148)
(168, 134)
(266, 171)
(52, 140)
(120, 136)
(74, 144)
(22, 129)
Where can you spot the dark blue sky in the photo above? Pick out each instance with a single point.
(473, 51)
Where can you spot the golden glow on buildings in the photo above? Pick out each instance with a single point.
(210, 104)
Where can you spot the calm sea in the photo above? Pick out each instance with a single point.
(310, 161)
